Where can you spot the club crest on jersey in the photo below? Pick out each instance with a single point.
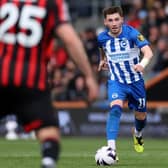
(123, 43)
(141, 37)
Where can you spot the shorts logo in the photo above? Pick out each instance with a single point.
(141, 37)
(114, 95)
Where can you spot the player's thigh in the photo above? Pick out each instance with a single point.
(116, 93)
(137, 97)
(36, 111)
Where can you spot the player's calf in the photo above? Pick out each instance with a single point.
(50, 147)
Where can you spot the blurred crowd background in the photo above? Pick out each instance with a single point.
(150, 17)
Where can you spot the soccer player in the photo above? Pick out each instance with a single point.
(27, 28)
(120, 47)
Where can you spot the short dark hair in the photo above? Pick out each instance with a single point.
(112, 10)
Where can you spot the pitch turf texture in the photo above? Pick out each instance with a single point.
(79, 153)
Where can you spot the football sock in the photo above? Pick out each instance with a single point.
(112, 144)
(113, 122)
(137, 133)
(139, 125)
(50, 152)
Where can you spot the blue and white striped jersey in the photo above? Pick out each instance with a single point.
(122, 53)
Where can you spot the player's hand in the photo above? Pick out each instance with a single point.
(93, 88)
(138, 68)
(103, 65)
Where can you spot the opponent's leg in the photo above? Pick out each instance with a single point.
(49, 138)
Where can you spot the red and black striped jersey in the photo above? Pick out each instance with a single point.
(27, 29)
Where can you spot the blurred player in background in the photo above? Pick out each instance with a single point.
(27, 28)
(120, 47)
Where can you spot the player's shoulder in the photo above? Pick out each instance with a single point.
(129, 29)
(102, 35)
(130, 32)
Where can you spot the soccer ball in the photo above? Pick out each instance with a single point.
(105, 156)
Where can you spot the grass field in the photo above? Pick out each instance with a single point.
(79, 153)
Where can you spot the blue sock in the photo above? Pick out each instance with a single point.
(140, 124)
(113, 122)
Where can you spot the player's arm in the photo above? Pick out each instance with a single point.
(76, 50)
(147, 55)
(143, 44)
(103, 62)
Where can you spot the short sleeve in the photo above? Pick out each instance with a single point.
(59, 10)
(138, 38)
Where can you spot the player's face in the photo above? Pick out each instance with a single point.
(114, 23)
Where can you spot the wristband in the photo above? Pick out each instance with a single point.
(144, 62)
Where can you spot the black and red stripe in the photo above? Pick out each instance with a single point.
(24, 66)
(7, 55)
(35, 57)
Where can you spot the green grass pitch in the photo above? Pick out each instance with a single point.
(79, 153)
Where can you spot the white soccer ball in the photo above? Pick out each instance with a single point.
(105, 156)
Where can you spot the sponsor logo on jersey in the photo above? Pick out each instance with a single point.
(141, 37)
(119, 57)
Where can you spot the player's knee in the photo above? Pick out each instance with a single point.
(140, 115)
(116, 102)
(116, 111)
(48, 133)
